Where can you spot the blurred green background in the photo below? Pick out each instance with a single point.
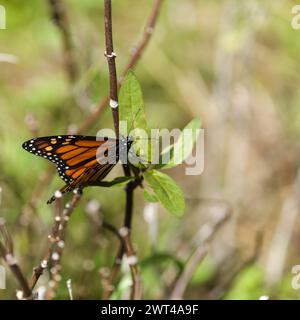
(235, 64)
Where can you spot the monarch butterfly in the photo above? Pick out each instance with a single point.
(81, 161)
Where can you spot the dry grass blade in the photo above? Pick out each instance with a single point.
(6, 251)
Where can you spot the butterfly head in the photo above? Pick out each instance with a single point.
(126, 143)
(130, 140)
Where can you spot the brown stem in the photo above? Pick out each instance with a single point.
(148, 31)
(126, 246)
(181, 284)
(139, 50)
(183, 278)
(57, 235)
(52, 239)
(6, 251)
(60, 18)
(109, 53)
(223, 287)
(108, 289)
(123, 249)
(17, 272)
(60, 244)
(136, 292)
(129, 205)
(111, 56)
(90, 120)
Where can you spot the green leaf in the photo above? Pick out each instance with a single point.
(181, 150)
(161, 257)
(204, 272)
(131, 103)
(132, 111)
(150, 196)
(167, 191)
(117, 182)
(123, 286)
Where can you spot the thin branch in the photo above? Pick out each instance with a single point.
(126, 224)
(219, 291)
(107, 282)
(111, 56)
(148, 31)
(132, 260)
(6, 251)
(129, 205)
(57, 253)
(194, 260)
(136, 292)
(60, 18)
(197, 256)
(56, 238)
(109, 287)
(124, 236)
(52, 239)
(138, 51)
(112, 229)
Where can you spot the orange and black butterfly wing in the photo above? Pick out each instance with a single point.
(89, 177)
(77, 158)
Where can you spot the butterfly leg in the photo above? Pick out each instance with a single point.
(66, 188)
(78, 190)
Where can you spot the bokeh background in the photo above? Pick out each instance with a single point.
(234, 64)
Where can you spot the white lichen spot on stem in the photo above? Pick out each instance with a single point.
(57, 194)
(132, 260)
(124, 232)
(113, 104)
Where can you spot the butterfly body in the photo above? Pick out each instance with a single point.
(81, 161)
